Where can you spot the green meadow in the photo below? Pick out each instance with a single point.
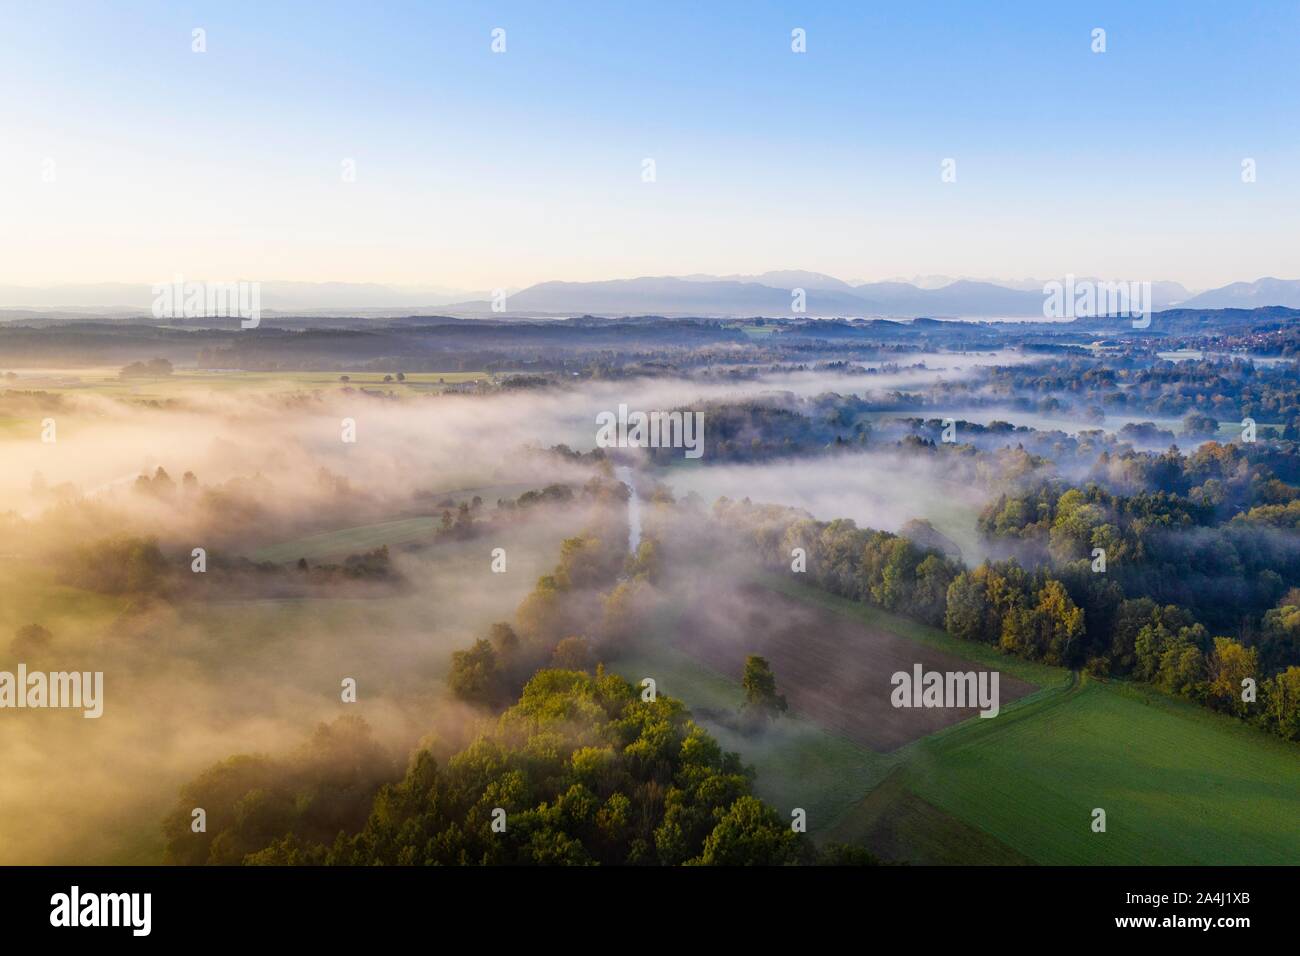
(105, 380)
(1178, 784)
(347, 541)
(341, 542)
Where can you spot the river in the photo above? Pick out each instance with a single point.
(624, 474)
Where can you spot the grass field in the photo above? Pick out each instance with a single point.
(900, 826)
(1179, 785)
(104, 380)
(32, 596)
(341, 542)
(349, 540)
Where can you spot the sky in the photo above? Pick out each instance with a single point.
(125, 156)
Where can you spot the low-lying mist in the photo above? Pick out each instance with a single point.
(192, 676)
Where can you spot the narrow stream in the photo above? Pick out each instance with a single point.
(624, 474)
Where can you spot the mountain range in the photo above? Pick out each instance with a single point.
(768, 294)
(772, 294)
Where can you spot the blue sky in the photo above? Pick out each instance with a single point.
(478, 170)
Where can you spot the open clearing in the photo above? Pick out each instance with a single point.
(801, 763)
(347, 541)
(833, 670)
(1179, 785)
(105, 380)
(355, 539)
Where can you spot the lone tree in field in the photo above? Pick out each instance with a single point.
(761, 699)
(30, 639)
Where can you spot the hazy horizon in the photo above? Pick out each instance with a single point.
(338, 296)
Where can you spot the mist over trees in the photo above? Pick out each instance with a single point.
(1061, 613)
(581, 770)
(1011, 471)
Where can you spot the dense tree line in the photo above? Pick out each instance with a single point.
(1135, 384)
(564, 619)
(1062, 613)
(251, 802)
(1173, 547)
(875, 567)
(137, 566)
(153, 368)
(582, 770)
(1072, 617)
